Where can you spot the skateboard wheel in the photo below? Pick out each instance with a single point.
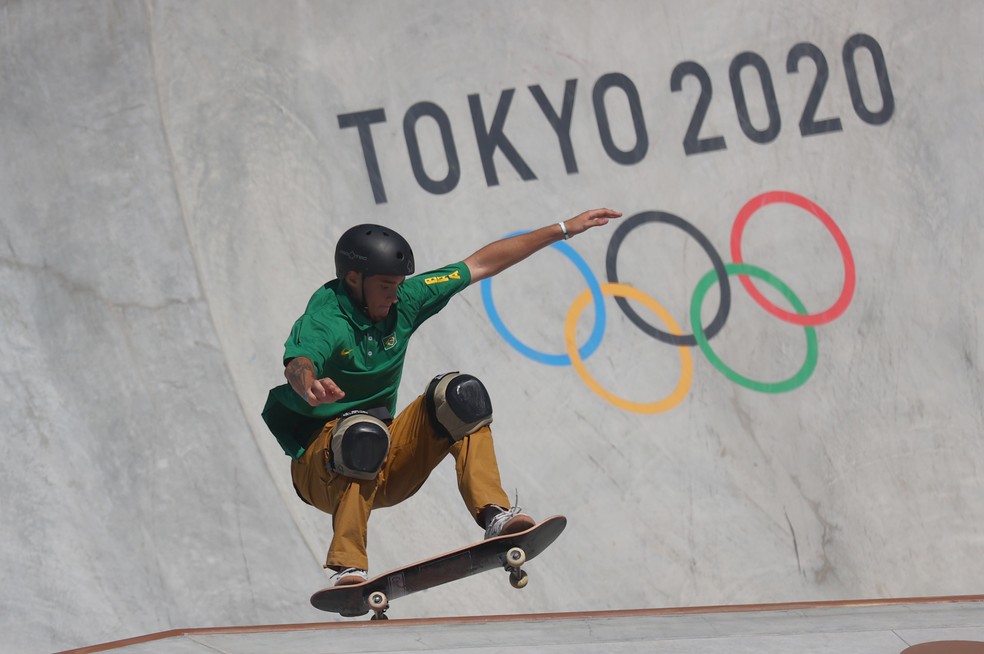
(515, 557)
(519, 580)
(378, 601)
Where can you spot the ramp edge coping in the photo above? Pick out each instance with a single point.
(517, 617)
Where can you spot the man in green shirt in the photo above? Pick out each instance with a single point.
(343, 364)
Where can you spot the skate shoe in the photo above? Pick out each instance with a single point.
(508, 522)
(350, 577)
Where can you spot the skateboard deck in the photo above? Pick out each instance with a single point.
(509, 551)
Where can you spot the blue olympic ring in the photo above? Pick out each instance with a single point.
(597, 333)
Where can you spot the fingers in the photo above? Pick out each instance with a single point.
(324, 391)
(335, 392)
(314, 395)
(594, 218)
(603, 214)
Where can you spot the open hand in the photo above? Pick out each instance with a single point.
(594, 218)
(323, 391)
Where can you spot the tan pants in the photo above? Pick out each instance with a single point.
(415, 451)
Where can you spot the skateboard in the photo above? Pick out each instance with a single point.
(509, 551)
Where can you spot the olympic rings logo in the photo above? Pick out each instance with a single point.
(673, 334)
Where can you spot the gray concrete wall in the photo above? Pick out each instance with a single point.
(174, 178)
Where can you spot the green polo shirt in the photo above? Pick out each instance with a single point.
(364, 358)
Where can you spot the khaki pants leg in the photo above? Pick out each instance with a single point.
(349, 501)
(415, 451)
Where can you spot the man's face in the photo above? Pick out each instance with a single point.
(380, 293)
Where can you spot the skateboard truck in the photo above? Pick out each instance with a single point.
(515, 558)
(378, 602)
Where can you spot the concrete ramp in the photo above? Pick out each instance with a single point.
(937, 626)
(802, 195)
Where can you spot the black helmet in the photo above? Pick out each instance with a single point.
(373, 250)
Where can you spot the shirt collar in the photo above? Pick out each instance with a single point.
(354, 313)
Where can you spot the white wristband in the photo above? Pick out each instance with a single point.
(563, 228)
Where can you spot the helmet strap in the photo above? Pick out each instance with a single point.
(358, 301)
(365, 305)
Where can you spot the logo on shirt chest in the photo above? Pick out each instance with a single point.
(389, 342)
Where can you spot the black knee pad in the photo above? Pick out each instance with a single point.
(458, 404)
(359, 445)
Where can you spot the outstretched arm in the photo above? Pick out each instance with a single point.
(496, 257)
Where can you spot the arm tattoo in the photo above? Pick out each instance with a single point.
(295, 372)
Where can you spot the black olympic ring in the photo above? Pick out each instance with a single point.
(611, 260)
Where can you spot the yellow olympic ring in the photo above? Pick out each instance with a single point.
(631, 293)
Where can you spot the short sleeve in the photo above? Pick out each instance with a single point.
(311, 339)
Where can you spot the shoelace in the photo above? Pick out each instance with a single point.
(503, 517)
(349, 571)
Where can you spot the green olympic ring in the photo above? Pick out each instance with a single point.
(809, 365)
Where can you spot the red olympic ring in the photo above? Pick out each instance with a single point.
(808, 320)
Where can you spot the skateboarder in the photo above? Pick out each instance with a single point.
(343, 363)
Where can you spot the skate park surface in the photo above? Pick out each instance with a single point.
(799, 182)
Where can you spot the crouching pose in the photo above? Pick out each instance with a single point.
(343, 364)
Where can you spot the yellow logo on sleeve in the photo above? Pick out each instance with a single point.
(440, 279)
